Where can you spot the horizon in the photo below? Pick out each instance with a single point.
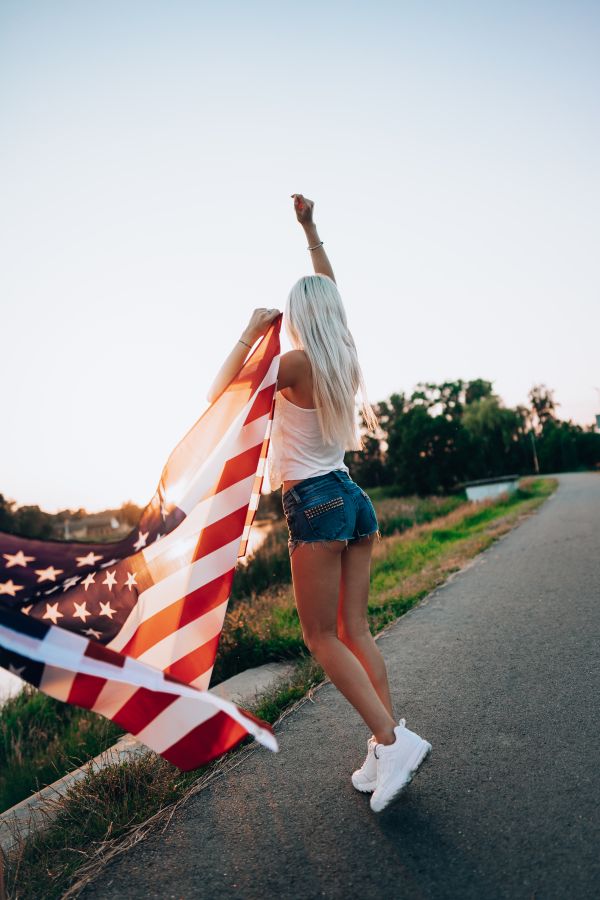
(150, 154)
(120, 506)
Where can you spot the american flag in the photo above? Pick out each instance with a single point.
(130, 629)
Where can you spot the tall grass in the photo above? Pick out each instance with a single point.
(42, 738)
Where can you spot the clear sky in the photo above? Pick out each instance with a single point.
(148, 153)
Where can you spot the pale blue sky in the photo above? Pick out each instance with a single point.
(148, 151)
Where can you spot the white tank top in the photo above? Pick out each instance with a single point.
(297, 449)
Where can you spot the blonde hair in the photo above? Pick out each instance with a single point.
(315, 321)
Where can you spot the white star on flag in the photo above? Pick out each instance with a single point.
(26, 609)
(92, 633)
(16, 670)
(10, 588)
(141, 541)
(110, 579)
(81, 611)
(130, 581)
(17, 559)
(52, 612)
(106, 609)
(111, 562)
(90, 560)
(48, 574)
(89, 579)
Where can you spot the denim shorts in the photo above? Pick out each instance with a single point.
(329, 507)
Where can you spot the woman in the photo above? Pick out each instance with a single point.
(331, 520)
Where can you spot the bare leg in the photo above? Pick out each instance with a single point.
(316, 573)
(353, 625)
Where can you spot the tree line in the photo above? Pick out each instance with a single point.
(443, 435)
(427, 443)
(33, 522)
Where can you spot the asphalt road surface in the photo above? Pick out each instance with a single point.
(500, 670)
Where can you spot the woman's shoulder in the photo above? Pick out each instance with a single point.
(294, 368)
(296, 358)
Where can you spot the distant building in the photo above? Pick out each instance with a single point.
(93, 528)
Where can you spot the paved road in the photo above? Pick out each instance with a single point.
(500, 670)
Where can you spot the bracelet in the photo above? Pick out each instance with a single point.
(249, 346)
(316, 247)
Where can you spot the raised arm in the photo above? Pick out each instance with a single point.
(258, 325)
(304, 214)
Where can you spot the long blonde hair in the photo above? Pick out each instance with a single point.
(315, 321)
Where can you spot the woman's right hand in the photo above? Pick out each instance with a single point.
(259, 324)
(304, 209)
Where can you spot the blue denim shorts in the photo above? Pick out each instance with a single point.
(329, 507)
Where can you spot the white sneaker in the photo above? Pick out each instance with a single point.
(396, 765)
(365, 778)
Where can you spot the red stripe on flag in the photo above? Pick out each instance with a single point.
(239, 467)
(194, 664)
(142, 708)
(262, 404)
(178, 614)
(85, 690)
(98, 651)
(215, 536)
(258, 363)
(205, 742)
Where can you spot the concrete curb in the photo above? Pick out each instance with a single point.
(36, 812)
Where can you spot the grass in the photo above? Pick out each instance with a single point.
(41, 739)
(111, 810)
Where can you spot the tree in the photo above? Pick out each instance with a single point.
(543, 406)
(425, 453)
(6, 513)
(446, 399)
(31, 521)
(130, 513)
(496, 441)
(477, 390)
(368, 466)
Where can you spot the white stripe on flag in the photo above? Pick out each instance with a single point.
(57, 682)
(202, 681)
(174, 722)
(184, 640)
(174, 587)
(186, 495)
(66, 651)
(181, 542)
(112, 697)
(237, 440)
(207, 438)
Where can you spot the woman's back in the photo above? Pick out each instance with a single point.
(297, 449)
(301, 392)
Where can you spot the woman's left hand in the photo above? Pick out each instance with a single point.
(259, 324)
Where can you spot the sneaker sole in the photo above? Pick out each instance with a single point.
(366, 787)
(420, 756)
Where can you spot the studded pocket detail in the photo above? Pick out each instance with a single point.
(318, 510)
